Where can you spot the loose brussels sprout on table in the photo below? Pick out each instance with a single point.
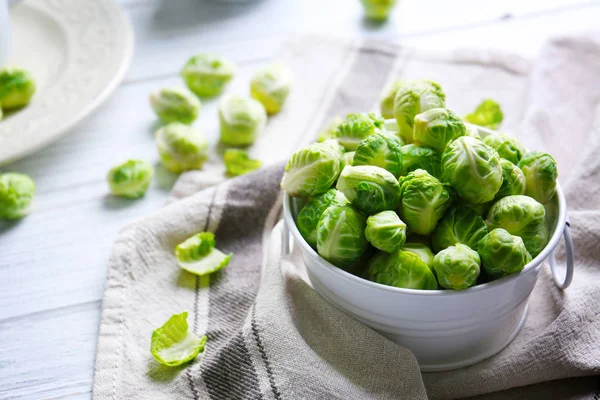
(412, 98)
(356, 127)
(237, 162)
(207, 74)
(241, 120)
(16, 88)
(341, 236)
(502, 253)
(370, 189)
(507, 147)
(271, 86)
(16, 195)
(313, 169)
(460, 225)
(540, 175)
(130, 179)
(402, 269)
(378, 10)
(311, 213)
(175, 105)
(380, 150)
(437, 127)
(487, 114)
(457, 267)
(181, 147)
(423, 201)
(386, 231)
(472, 199)
(522, 216)
(472, 168)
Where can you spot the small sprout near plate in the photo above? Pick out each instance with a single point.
(16, 195)
(207, 74)
(386, 231)
(378, 10)
(174, 344)
(16, 88)
(502, 254)
(487, 114)
(130, 179)
(175, 105)
(457, 267)
(237, 162)
(198, 255)
(271, 86)
(241, 119)
(181, 147)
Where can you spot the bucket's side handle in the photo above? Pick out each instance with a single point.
(563, 284)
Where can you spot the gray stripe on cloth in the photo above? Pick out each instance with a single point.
(227, 370)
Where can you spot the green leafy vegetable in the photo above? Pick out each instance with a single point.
(487, 114)
(198, 255)
(237, 162)
(173, 344)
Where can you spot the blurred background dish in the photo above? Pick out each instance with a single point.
(82, 51)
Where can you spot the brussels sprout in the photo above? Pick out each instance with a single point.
(457, 267)
(197, 255)
(386, 104)
(416, 157)
(174, 344)
(241, 120)
(423, 201)
(175, 105)
(130, 179)
(237, 162)
(460, 225)
(341, 236)
(437, 127)
(502, 253)
(181, 147)
(370, 189)
(521, 216)
(347, 158)
(329, 131)
(540, 175)
(16, 88)
(380, 150)
(378, 10)
(412, 98)
(386, 231)
(207, 74)
(16, 195)
(507, 147)
(513, 180)
(402, 269)
(313, 169)
(472, 131)
(271, 86)
(473, 169)
(421, 250)
(355, 128)
(487, 114)
(311, 213)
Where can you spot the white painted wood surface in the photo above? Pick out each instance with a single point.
(53, 263)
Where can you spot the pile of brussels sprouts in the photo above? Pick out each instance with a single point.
(421, 201)
(181, 146)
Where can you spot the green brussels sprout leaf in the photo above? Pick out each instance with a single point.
(173, 344)
(237, 162)
(487, 114)
(198, 256)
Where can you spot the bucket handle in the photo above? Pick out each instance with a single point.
(563, 284)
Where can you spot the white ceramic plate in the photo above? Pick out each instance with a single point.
(78, 51)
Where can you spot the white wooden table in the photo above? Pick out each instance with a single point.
(53, 263)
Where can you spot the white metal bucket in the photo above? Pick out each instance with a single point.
(444, 329)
